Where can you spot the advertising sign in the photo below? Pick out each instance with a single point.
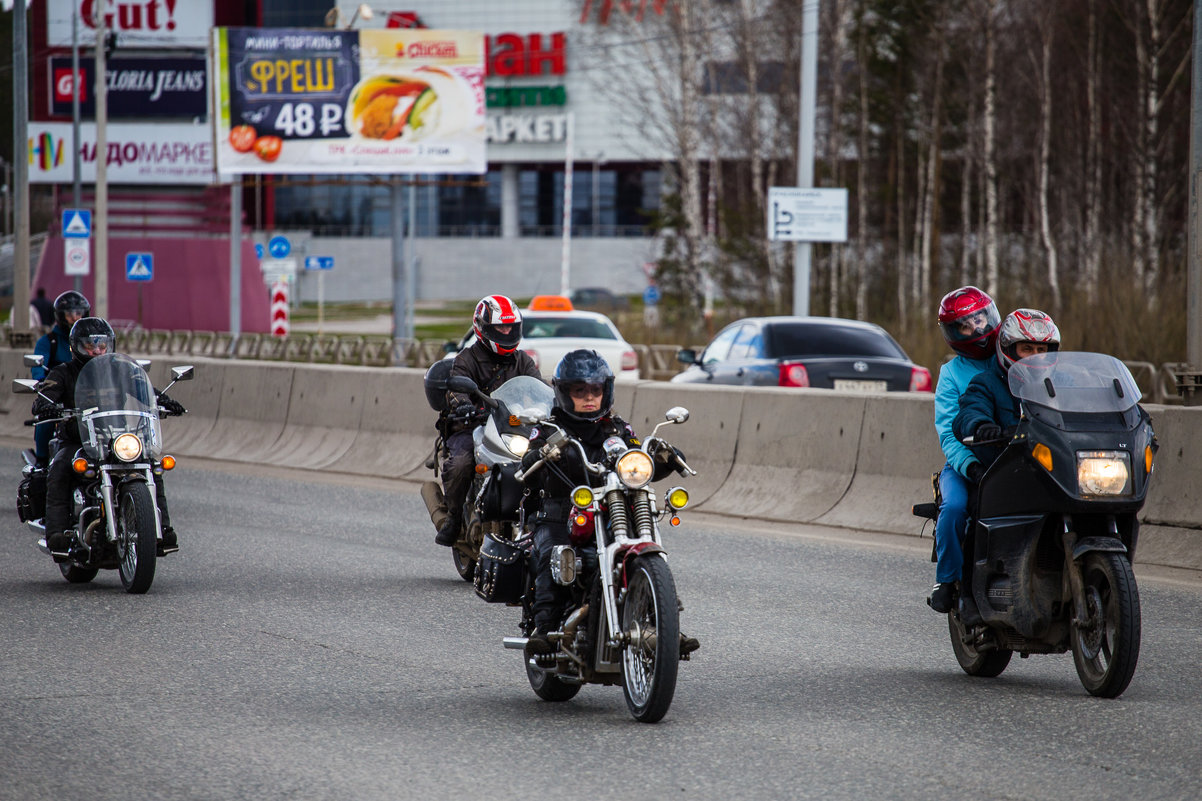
(292, 100)
(137, 23)
(137, 87)
(147, 153)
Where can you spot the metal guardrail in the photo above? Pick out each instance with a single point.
(1162, 385)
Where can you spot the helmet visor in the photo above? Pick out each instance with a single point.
(507, 335)
(973, 325)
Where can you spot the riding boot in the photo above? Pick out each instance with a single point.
(449, 532)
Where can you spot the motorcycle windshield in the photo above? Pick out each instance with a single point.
(114, 396)
(1070, 381)
(526, 395)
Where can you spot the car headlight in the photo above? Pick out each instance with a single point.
(1103, 472)
(634, 468)
(127, 447)
(517, 444)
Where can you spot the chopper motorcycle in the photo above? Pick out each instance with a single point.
(622, 625)
(1053, 531)
(117, 521)
(498, 445)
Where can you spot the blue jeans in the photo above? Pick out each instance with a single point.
(949, 528)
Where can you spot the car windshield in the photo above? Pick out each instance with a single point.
(1070, 381)
(535, 327)
(801, 339)
(114, 396)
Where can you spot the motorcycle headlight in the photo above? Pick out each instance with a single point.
(517, 444)
(1103, 472)
(634, 468)
(678, 497)
(127, 447)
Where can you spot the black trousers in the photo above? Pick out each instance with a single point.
(549, 597)
(457, 470)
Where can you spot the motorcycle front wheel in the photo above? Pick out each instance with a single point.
(1106, 641)
(136, 537)
(651, 621)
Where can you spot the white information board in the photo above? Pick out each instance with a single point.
(807, 215)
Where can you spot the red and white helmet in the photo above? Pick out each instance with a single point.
(1025, 325)
(494, 311)
(969, 320)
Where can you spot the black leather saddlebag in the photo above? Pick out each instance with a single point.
(31, 496)
(500, 570)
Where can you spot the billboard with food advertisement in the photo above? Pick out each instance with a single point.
(292, 100)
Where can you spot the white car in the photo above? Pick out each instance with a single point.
(548, 335)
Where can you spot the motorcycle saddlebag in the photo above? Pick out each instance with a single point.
(31, 496)
(502, 493)
(499, 569)
(436, 384)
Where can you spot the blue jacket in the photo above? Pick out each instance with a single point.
(43, 348)
(987, 400)
(954, 377)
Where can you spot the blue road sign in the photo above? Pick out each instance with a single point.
(77, 223)
(259, 250)
(139, 266)
(319, 262)
(279, 247)
(651, 296)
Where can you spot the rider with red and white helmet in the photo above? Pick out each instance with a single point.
(491, 360)
(968, 319)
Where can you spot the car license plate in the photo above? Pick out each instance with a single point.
(859, 385)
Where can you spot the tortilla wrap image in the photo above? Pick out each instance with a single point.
(414, 105)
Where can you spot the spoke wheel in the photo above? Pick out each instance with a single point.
(136, 537)
(1105, 640)
(651, 621)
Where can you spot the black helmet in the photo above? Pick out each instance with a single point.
(70, 302)
(578, 368)
(91, 331)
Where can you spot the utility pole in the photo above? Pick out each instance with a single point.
(76, 159)
(805, 146)
(100, 279)
(20, 311)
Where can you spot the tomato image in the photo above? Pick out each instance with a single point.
(268, 147)
(242, 138)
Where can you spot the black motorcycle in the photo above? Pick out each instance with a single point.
(1053, 526)
(117, 523)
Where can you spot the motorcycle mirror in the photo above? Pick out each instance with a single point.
(677, 414)
(144, 363)
(463, 384)
(181, 373)
(34, 359)
(25, 386)
(529, 418)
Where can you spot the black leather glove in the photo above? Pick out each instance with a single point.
(464, 411)
(49, 411)
(987, 431)
(170, 405)
(974, 471)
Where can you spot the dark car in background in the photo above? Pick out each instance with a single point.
(819, 352)
(599, 299)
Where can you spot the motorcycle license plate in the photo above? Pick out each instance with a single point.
(859, 385)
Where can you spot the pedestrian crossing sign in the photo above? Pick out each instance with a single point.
(139, 266)
(77, 223)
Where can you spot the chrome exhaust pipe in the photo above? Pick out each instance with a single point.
(436, 504)
(512, 643)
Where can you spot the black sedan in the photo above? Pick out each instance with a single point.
(821, 352)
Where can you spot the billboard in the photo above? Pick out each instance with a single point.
(292, 100)
(137, 87)
(136, 153)
(137, 23)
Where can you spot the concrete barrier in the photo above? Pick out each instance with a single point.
(201, 397)
(1171, 533)
(795, 455)
(251, 414)
(324, 412)
(396, 426)
(895, 456)
(14, 408)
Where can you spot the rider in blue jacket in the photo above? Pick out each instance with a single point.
(987, 407)
(968, 319)
(55, 348)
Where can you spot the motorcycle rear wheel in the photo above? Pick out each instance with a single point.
(76, 574)
(548, 686)
(651, 617)
(1106, 647)
(136, 537)
(465, 566)
(985, 664)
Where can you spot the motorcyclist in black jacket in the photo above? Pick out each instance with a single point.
(584, 396)
(90, 336)
(492, 360)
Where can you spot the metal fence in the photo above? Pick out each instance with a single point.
(656, 362)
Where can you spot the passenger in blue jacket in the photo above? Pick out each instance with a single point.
(55, 348)
(969, 320)
(987, 407)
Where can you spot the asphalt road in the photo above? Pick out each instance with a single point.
(310, 641)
